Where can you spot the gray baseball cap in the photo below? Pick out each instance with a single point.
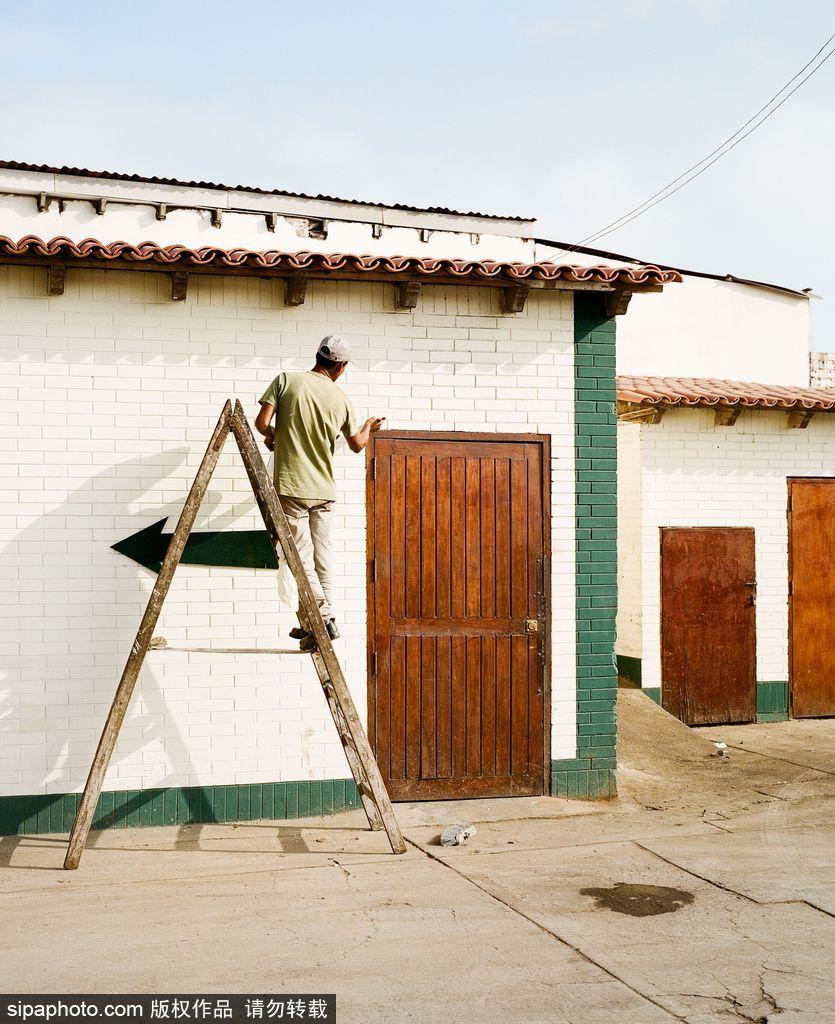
(335, 347)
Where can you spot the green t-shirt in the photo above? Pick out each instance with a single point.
(310, 413)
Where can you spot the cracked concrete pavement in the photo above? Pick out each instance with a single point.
(704, 894)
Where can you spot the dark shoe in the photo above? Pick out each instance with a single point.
(333, 632)
(308, 643)
(299, 633)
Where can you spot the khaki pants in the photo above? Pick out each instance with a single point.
(310, 524)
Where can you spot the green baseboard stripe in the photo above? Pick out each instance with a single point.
(772, 701)
(592, 772)
(583, 783)
(629, 668)
(185, 805)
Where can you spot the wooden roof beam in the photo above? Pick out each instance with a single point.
(179, 286)
(407, 294)
(635, 412)
(56, 274)
(727, 415)
(295, 291)
(799, 419)
(616, 302)
(514, 298)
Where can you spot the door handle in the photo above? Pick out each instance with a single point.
(531, 626)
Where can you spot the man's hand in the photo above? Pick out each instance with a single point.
(358, 441)
(269, 439)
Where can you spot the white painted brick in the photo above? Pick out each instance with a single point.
(684, 471)
(111, 392)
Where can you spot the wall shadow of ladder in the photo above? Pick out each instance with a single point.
(358, 753)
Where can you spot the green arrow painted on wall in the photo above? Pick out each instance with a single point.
(242, 549)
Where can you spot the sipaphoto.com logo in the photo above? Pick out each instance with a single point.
(298, 1008)
(67, 1008)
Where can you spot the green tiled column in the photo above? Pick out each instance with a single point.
(592, 772)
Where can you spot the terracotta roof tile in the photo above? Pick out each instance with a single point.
(91, 249)
(707, 391)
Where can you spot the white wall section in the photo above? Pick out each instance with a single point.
(110, 393)
(696, 474)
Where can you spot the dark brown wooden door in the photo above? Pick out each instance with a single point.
(458, 625)
(812, 597)
(708, 625)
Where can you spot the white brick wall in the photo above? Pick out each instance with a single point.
(822, 369)
(110, 393)
(629, 540)
(696, 474)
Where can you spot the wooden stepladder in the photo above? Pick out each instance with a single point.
(375, 799)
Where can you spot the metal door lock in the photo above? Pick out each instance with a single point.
(531, 626)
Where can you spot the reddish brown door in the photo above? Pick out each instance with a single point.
(708, 625)
(812, 597)
(457, 623)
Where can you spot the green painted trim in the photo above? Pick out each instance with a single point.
(772, 701)
(592, 772)
(629, 668)
(184, 805)
(582, 783)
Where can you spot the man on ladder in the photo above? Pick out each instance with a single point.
(310, 412)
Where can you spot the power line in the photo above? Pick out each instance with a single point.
(716, 154)
(714, 151)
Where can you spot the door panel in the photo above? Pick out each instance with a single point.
(812, 600)
(458, 564)
(708, 625)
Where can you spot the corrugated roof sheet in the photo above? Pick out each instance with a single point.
(323, 263)
(84, 172)
(568, 248)
(708, 391)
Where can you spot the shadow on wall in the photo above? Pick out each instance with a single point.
(81, 602)
(80, 588)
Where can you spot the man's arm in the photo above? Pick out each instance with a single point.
(263, 424)
(358, 441)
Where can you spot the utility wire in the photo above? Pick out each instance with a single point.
(716, 154)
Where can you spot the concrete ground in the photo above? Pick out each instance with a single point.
(705, 894)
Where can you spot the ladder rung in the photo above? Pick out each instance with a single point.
(158, 649)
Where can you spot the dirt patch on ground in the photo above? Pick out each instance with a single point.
(640, 900)
(663, 764)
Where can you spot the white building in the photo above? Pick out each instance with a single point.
(713, 325)
(130, 309)
(726, 502)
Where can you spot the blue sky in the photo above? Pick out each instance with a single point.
(571, 112)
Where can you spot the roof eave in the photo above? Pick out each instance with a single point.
(80, 183)
(805, 293)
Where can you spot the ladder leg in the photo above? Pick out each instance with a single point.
(363, 786)
(124, 691)
(276, 524)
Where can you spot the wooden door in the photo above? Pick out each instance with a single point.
(708, 625)
(458, 622)
(812, 597)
